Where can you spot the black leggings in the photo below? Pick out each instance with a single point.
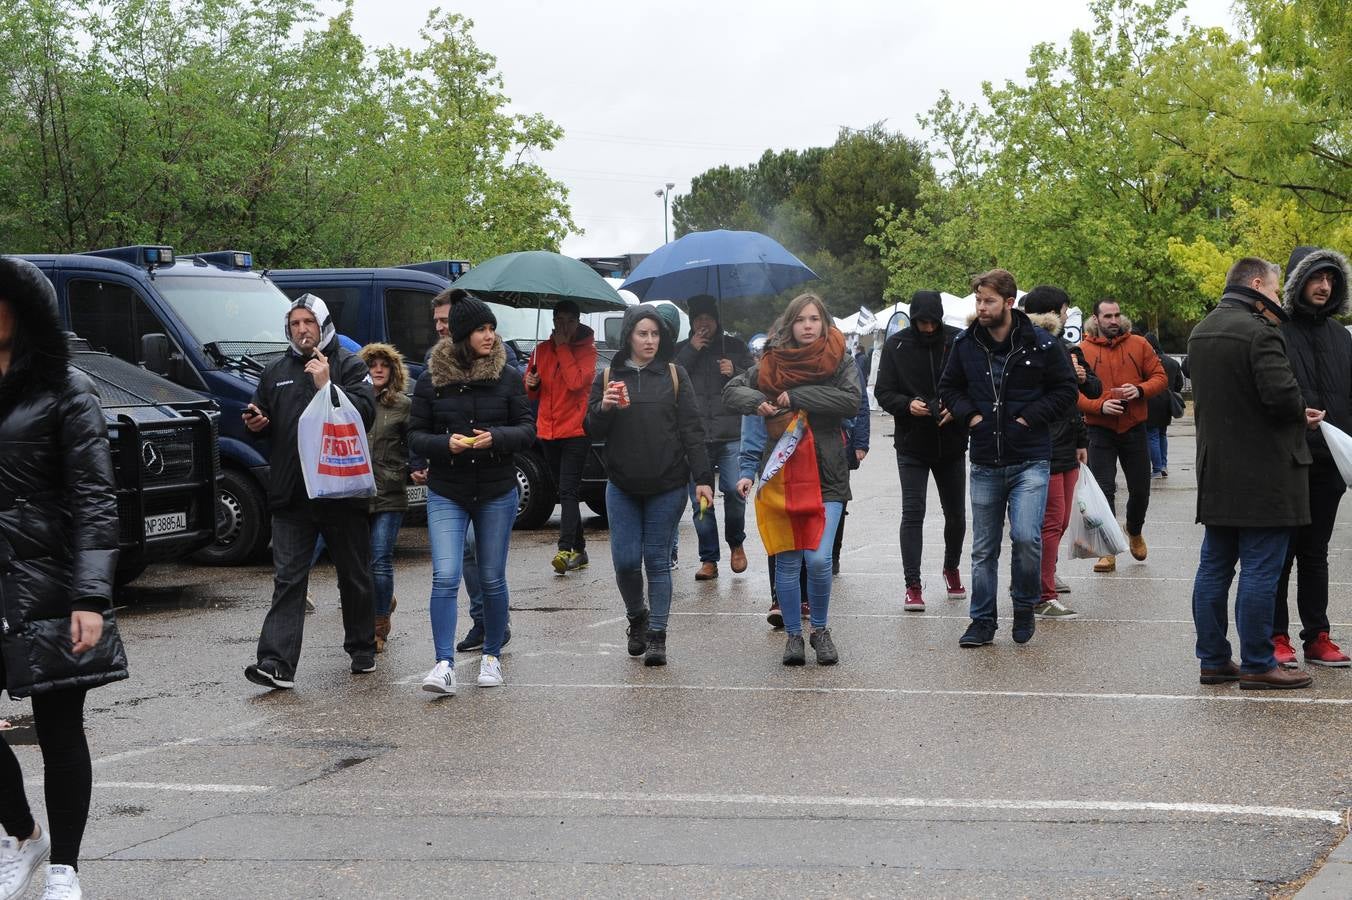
(58, 717)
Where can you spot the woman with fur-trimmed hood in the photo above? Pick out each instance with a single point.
(469, 418)
(388, 437)
(58, 552)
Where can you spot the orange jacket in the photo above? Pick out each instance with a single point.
(566, 373)
(1126, 359)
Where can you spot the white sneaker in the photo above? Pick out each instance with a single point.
(63, 883)
(441, 680)
(19, 860)
(490, 672)
(1061, 586)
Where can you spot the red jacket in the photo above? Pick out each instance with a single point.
(1126, 359)
(566, 373)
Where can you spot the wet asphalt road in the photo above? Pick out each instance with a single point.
(1087, 763)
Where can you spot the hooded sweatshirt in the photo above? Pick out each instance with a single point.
(657, 443)
(566, 373)
(721, 424)
(909, 369)
(1319, 347)
(1125, 359)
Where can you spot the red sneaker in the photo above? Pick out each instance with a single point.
(1285, 653)
(1323, 652)
(915, 600)
(953, 582)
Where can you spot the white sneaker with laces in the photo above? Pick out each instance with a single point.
(19, 860)
(490, 672)
(441, 680)
(63, 883)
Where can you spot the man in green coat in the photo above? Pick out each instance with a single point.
(1252, 488)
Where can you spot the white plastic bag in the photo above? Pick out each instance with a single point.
(1340, 445)
(1093, 529)
(334, 454)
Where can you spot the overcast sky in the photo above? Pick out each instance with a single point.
(655, 93)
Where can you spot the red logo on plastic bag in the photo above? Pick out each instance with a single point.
(341, 453)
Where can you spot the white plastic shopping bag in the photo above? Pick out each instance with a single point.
(334, 454)
(1093, 529)
(1340, 445)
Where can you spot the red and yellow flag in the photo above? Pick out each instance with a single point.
(789, 510)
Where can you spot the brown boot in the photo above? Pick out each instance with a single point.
(1274, 679)
(1106, 564)
(382, 631)
(1137, 544)
(738, 560)
(707, 571)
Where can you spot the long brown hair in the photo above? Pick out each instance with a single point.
(398, 373)
(781, 333)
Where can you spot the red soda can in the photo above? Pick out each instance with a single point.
(624, 393)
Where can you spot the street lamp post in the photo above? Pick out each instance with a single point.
(663, 192)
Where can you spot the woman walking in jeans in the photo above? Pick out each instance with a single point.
(58, 550)
(389, 455)
(643, 407)
(805, 367)
(469, 417)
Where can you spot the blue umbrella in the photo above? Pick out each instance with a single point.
(723, 264)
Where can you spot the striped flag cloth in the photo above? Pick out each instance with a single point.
(789, 510)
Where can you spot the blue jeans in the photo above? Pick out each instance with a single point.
(788, 565)
(1021, 491)
(447, 525)
(1158, 439)
(1260, 553)
(723, 457)
(384, 532)
(641, 531)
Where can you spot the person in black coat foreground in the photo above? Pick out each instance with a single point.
(58, 551)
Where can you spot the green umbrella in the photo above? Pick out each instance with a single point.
(540, 279)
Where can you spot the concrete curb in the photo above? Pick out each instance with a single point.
(1333, 881)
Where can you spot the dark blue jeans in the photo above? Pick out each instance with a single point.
(384, 532)
(723, 457)
(1019, 490)
(1158, 438)
(448, 523)
(1260, 553)
(642, 528)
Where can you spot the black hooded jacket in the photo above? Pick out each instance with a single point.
(1319, 347)
(657, 443)
(909, 369)
(58, 515)
(720, 423)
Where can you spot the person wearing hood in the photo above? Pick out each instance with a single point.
(58, 553)
(928, 441)
(558, 379)
(388, 438)
(643, 406)
(1131, 373)
(805, 368)
(713, 359)
(314, 361)
(1047, 307)
(470, 417)
(1252, 481)
(1008, 381)
(1320, 349)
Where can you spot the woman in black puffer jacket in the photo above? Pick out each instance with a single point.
(470, 416)
(58, 549)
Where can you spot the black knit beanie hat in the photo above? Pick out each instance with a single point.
(467, 315)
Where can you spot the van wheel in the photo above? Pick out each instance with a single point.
(535, 491)
(242, 522)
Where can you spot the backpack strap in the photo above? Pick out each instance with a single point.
(675, 382)
(605, 379)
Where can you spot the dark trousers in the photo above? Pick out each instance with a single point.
(1131, 448)
(566, 458)
(67, 777)
(347, 532)
(950, 477)
(1310, 549)
(840, 537)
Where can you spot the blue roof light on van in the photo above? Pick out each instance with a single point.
(228, 259)
(138, 255)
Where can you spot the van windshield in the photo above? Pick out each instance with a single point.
(228, 311)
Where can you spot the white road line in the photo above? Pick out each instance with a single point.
(922, 616)
(1256, 697)
(1333, 817)
(604, 622)
(181, 742)
(173, 786)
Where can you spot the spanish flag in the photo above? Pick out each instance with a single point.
(789, 510)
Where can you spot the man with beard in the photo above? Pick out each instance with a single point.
(1131, 373)
(1320, 350)
(1008, 381)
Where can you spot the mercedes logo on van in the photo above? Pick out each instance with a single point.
(151, 459)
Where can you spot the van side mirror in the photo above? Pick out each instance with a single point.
(155, 353)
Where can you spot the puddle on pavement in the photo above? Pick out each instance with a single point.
(133, 600)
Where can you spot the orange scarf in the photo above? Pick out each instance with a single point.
(783, 368)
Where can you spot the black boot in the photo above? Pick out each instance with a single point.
(657, 649)
(638, 634)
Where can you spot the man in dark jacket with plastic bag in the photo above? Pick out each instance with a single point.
(1252, 486)
(312, 363)
(1320, 350)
